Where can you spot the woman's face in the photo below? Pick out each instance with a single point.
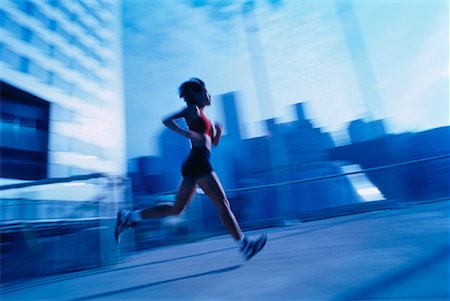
(203, 98)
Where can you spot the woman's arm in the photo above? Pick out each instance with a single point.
(169, 121)
(185, 113)
(216, 139)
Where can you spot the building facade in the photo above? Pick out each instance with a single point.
(62, 111)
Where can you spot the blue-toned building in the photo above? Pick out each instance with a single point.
(293, 151)
(173, 149)
(62, 107)
(404, 167)
(361, 130)
(62, 116)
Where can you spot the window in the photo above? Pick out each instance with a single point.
(32, 38)
(63, 33)
(108, 43)
(61, 113)
(52, 25)
(61, 83)
(76, 42)
(98, 38)
(80, 93)
(84, 71)
(11, 26)
(100, 20)
(98, 58)
(62, 57)
(21, 4)
(108, 5)
(42, 18)
(9, 57)
(24, 64)
(26, 35)
(64, 10)
(39, 72)
(28, 7)
(97, 79)
(24, 134)
(2, 18)
(59, 142)
(40, 44)
(54, 3)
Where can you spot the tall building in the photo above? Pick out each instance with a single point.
(231, 115)
(62, 111)
(173, 149)
(146, 174)
(360, 57)
(225, 157)
(361, 130)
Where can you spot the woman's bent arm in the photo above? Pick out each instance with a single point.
(171, 124)
(216, 139)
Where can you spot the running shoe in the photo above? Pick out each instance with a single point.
(252, 247)
(123, 222)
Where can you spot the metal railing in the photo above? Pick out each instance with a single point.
(61, 225)
(308, 198)
(48, 219)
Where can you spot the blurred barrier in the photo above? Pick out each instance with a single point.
(309, 198)
(60, 225)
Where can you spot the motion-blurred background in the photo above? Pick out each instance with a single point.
(329, 108)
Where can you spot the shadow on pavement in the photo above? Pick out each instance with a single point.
(134, 288)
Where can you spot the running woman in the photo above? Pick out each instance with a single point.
(196, 170)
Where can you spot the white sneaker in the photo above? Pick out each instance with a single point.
(251, 247)
(123, 222)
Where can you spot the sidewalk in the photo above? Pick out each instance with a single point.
(395, 254)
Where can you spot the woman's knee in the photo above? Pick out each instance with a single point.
(175, 210)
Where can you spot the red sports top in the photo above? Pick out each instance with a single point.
(202, 125)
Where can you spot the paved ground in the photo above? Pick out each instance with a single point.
(396, 254)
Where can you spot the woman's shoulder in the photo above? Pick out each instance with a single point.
(192, 111)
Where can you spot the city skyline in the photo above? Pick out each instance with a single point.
(306, 56)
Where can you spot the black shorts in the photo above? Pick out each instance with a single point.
(197, 164)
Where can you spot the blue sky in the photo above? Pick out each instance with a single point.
(306, 56)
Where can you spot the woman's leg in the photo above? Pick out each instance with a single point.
(127, 219)
(210, 184)
(186, 192)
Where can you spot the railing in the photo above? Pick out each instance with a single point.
(329, 194)
(61, 225)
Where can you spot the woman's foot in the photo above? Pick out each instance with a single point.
(123, 222)
(250, 248)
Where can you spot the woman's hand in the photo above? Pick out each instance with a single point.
(216, 139)
(218, 126)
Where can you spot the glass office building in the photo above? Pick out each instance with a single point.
(62, 107)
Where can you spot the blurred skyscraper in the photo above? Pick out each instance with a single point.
(231, 115)
(62, 109)
(360, 57)
(360, 130)
(173, 149)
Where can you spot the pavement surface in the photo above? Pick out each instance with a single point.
(394, 254)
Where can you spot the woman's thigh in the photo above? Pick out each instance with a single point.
(185, 193)
(212, 187)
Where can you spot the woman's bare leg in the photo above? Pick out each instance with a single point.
(210, 184)
(186, 192)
